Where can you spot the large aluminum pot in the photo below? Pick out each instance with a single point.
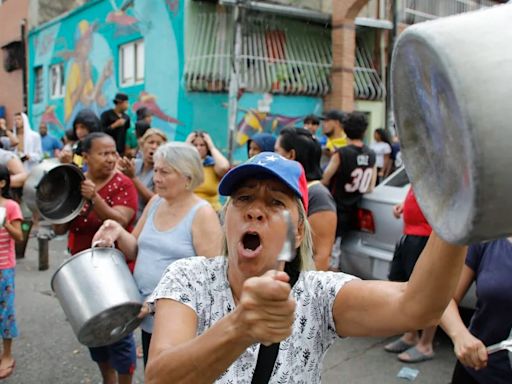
(451, 88)
(53, 190)
(98, 295)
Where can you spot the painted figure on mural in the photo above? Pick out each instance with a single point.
(148, 101)
(82, 91)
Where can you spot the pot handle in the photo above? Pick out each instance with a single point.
(96, 244)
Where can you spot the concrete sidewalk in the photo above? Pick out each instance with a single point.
(47, 351)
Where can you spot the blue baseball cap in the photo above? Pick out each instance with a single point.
(267, 165)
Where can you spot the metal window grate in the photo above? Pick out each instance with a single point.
(279, 56)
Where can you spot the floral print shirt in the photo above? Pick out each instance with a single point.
(202, 284)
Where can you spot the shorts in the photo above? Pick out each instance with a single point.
(121, 355)
(407, 251)
(7, 313)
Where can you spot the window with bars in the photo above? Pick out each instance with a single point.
(57, 82)
(131, 63)
(38, 84)
(279, 56)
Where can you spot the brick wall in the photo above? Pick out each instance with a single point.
(12, 12)
(343, 54)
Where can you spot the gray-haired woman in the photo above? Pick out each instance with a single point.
(175, 224)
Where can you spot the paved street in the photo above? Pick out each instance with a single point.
(47, 351)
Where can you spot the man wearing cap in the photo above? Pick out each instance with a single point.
(116, 122)
(333, 129)
(247, 317)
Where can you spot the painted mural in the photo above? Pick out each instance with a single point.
(87, 41)
(84, 83)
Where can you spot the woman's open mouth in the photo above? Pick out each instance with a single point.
(250, 245)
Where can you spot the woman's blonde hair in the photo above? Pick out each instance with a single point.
(151, 132)
(305, 250)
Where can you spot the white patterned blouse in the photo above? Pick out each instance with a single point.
(202, 284)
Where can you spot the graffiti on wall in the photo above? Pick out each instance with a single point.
(146, 100)
(84, 88)
(260, 119)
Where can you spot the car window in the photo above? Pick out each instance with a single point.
(397, 179)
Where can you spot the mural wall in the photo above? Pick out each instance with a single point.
(86, 42)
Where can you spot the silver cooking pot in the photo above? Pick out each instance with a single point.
(53, 190)
(98, 295)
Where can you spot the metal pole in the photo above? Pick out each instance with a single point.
(234, 82)
(394, 32)
(43, 237)
(24, 63)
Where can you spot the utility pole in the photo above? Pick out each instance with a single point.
(234, 81)
(391, 46)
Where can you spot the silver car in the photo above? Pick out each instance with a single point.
(368, 252)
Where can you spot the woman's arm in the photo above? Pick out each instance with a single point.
(127, 167)
(111, 232)
(331, 168)
(176, 355)
(207, 232)
(61, 229)
(387, 165)
(14, 229)
(17, 172)
(120, 213)
(323, 226)
(469, 350)
(221, 163)
(381, 308)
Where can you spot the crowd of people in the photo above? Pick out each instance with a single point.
(201, 237)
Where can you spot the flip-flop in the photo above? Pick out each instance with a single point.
(416, 356)
(398, 346)
(7, 371)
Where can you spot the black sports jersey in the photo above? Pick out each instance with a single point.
(351, 180)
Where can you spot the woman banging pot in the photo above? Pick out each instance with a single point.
(175, 224)
(213, 316)
(110, 195)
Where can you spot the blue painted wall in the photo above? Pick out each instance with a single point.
(87, 41)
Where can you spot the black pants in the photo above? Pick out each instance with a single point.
(146, 340)
(461, 376)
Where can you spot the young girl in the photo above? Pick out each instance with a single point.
(10, 230)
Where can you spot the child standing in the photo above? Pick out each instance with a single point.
(10, 230)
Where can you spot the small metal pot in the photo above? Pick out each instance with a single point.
(98, 295)
(53, 190)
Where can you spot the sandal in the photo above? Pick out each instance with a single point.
(398, 346)
(415, 356)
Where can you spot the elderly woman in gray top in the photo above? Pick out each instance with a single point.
(175, 223)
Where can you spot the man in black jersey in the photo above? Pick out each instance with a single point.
(350, 173)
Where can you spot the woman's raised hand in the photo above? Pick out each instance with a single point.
(126, 166)
(266, 310)
(108, 233)
(190, 138)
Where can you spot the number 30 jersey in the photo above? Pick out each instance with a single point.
(354, 175)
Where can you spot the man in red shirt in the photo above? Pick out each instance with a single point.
(411, 348)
